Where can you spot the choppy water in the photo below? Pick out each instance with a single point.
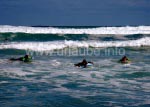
(52, 80)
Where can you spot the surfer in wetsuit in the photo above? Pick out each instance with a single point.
(83, 63)
(124, 59)
(26, 58)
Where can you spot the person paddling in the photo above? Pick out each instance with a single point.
(83, 63)
(124, 59)
(26, 58)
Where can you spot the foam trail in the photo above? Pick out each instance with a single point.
(98, 30)
(45, 46)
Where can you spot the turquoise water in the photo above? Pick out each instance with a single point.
(53, 81)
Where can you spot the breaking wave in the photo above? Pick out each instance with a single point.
(53, 45)
(56, 30)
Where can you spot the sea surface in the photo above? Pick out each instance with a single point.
(52, 80)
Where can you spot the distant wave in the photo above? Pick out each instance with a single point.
(96, 30)
(53, 45)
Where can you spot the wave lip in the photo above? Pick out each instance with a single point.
(97, 30)
(56, 45)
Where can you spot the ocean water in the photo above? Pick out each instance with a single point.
(51, 80)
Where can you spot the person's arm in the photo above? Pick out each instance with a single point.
(90, 62)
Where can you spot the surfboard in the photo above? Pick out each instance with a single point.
(89, 65)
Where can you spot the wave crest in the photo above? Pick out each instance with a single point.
(53, 45)
(97, 30)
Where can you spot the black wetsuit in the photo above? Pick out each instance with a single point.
(17, 59)
(82, 64)
(26, 58)
(124, 59)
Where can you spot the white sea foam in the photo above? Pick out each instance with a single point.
(3, 82)
(53, 45)
(96, 30)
